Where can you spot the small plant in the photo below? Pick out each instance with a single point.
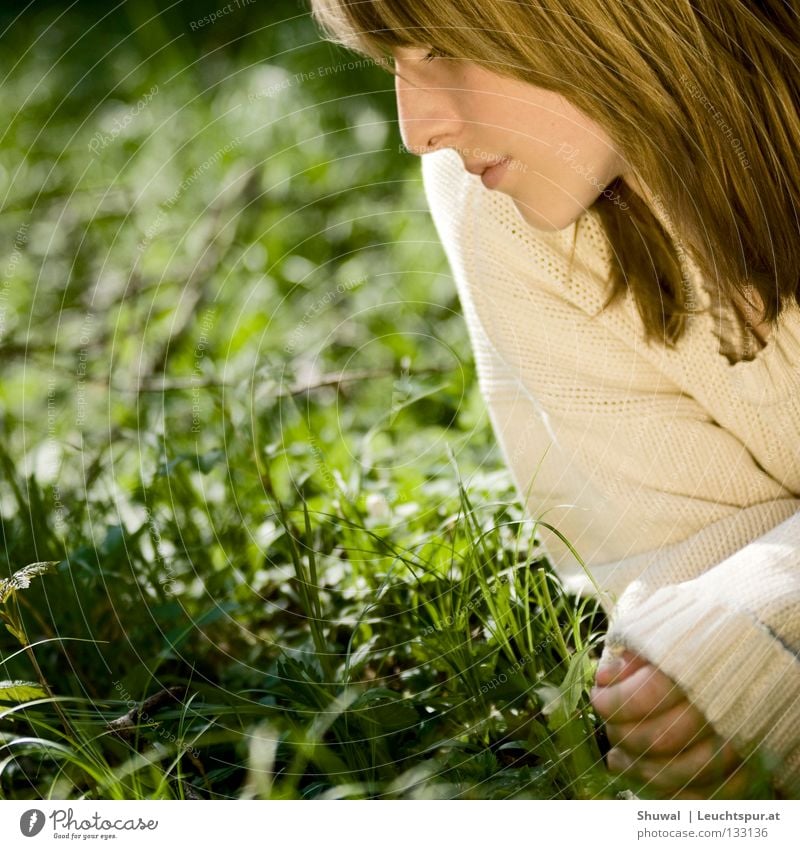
(23, 691)
(239, 455)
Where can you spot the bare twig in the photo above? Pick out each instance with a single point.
(127, 723)
(181, 384)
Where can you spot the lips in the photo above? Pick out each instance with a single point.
(490, 172)
(478, 168)
(492, 176)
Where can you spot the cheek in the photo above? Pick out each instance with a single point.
(562, 159)
(566, 144)
(562, 176)
(552, 195)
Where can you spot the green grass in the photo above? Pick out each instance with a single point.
(241, 423)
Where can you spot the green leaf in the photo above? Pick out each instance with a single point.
(559, 704)
(20, 691)
(577, 680)
(207, 461)
(18, 635)
(22, 578)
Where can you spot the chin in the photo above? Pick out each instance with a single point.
(552, 220)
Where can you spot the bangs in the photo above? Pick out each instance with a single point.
(374, 27)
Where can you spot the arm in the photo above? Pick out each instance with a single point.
(730, 637)
(718, 611)
(694, 545)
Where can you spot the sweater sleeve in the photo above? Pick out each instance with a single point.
(693, 547)
(730, 636)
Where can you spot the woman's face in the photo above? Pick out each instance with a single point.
(555, 161)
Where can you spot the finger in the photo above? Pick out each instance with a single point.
(613, 669)
(711, 761)
(663, 734)
(645, 692)
(738, 786)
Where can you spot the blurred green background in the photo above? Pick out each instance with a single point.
(238, 405)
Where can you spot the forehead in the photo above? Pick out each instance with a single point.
(377, 27)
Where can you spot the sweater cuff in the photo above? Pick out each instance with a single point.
(731, 667)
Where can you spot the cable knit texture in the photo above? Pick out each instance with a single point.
(675, 474)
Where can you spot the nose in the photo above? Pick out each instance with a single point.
(427, 117)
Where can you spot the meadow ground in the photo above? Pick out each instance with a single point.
(242, 434)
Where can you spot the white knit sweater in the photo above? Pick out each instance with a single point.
(675, 474)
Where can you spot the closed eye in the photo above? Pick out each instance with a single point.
(431, 55)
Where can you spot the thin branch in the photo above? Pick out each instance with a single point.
(181, 384)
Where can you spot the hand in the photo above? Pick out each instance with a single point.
(659, 737)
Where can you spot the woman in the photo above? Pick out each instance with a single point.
(615, 186)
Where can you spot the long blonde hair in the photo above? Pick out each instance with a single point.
(701, 96)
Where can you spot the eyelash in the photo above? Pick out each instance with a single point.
(431, 55)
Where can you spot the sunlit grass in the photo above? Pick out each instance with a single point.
(241, 425)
